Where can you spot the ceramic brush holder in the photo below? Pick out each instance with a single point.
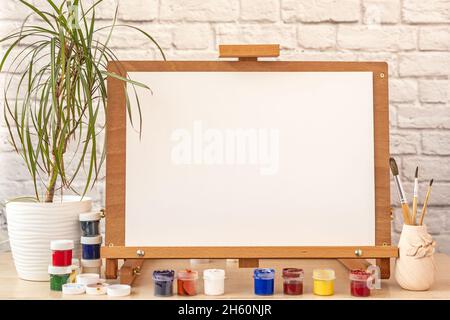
(415, 268)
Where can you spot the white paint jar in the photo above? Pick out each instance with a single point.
(214, 282)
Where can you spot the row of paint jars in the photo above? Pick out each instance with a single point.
(264, 282)
(214, 282)
(91, 241)
(63, 267)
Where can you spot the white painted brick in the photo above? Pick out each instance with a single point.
(317, 36)
(193, 55)
(387, 38)
(402, 90)
(126, 54)
(443, 243)
(381, 11)
(13, 167)
(199, 10)
(192, 36)
(433, 116)
(393, 116)
(285, 35)
(434, 38)
(404, 142)
(429, 11)
(320, 10)
(301, 55)
(424, 64)
(13, 10)
(390, 58)
(431, 167)
(127, 38)
(433, 90)
(261, 10)
(141, 10)
(436, 143)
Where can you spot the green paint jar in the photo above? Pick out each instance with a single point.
(58, 277)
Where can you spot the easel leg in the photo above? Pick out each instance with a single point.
(385, 267)
(248, 263)
(111, 268)
(355, 263)
(129, 270)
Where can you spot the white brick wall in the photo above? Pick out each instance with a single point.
(413, 36)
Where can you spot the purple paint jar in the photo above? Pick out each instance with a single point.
(163, 282)
(91, 247)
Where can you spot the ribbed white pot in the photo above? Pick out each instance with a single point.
(31, 227)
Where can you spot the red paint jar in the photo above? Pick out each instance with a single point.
(360, 283)
(293, 281)
(61, 252)
(187, 282)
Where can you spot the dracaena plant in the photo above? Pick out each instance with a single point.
(55, 93)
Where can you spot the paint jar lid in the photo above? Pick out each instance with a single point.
(264, 273)
(59, 270)
(214, 274)
(359, 275)
(94, 263)
(163, 275)
(91, 240)
(324, 274)
(293, 273)
(73, 288)
(88, 278)
(60, 245)
(118, 290)
(97, 288)
(90, 216)
(187, 274)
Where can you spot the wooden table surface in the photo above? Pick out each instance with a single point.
(238, 285)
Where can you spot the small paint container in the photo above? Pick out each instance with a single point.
(91, 247)
(360, 283)
(88, 278)
(323, 282)
(91, 266)
(118, 290)
(97, 289)
(187, 282)
(293, 281)
(264, 280)
(214, 282)
(58, 277)
(90, 224)
(163, 282)
(61, 252)
(73, 275)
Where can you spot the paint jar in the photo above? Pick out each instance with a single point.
(323, 282)
(214, 282)
(360, 282)
(88, 278)
(90, 224)
(91, 266)
(97, 289)
(91, 247)
(293, 281)
(163, 282)
(264, 279)
(61, 252)
(187, 282)
(58, 277)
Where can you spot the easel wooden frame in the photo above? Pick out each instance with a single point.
(116, 165)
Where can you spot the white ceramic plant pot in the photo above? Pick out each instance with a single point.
(31, 227)
(415, 268)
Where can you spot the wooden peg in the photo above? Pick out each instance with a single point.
(249, 52)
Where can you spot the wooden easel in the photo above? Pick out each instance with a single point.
(351, 257)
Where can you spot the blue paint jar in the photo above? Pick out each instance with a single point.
(91, 247)
(264, 281)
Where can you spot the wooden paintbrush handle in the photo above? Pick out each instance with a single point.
(414, 214)
(406, 214)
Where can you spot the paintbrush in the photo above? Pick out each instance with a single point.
(401, 192)
(424, 208)
(416, 194)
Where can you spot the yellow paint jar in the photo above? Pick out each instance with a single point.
(323, 282)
